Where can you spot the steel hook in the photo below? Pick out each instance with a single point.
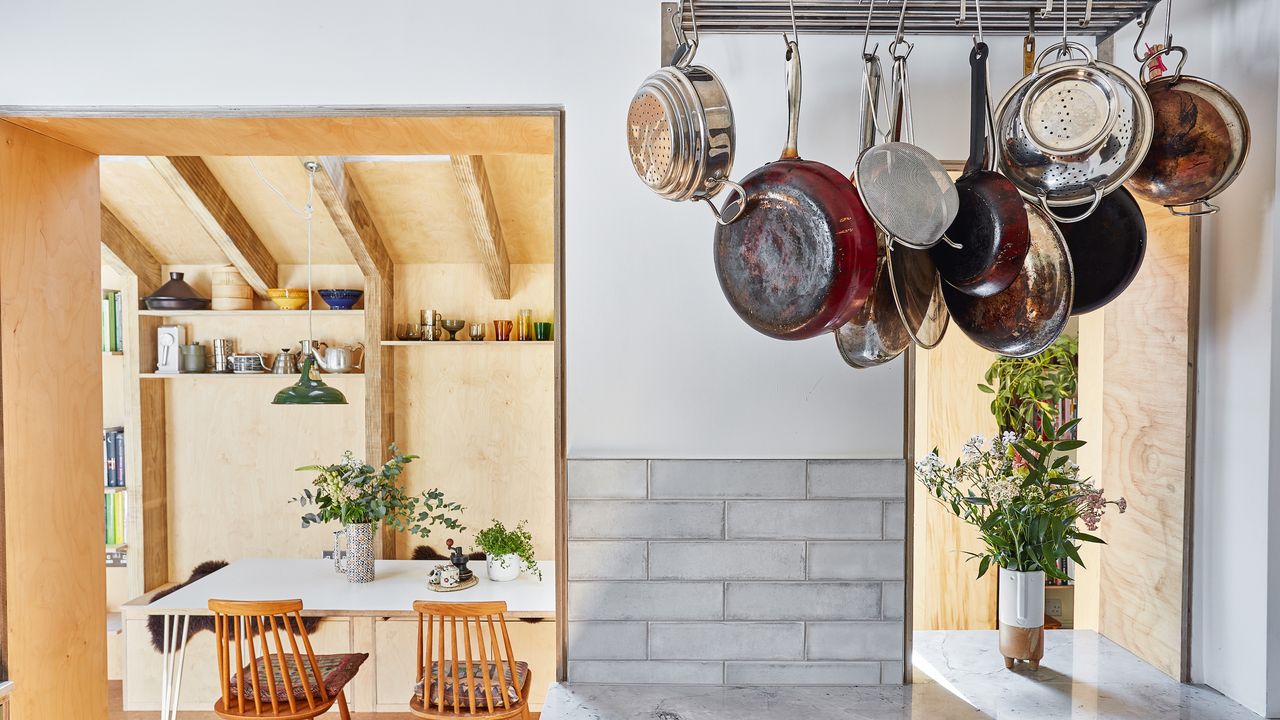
(866, 32)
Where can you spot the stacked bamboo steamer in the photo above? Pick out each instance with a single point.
(230, 291)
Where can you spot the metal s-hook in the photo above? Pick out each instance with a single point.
(1088, 14)
(1048, 8)
(866, 32)
(899, 39)
(977, 6)
(682, 56)
(1144, 56)
(795, 31)
(963, 13)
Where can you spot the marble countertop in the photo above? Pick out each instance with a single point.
(397, 585)
(958, 675)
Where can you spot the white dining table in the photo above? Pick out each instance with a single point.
(324, 592)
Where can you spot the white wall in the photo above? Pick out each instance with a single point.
(658, 365)
(1236, 580)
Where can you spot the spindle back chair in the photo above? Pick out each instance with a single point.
(484, 680)
(275, 684)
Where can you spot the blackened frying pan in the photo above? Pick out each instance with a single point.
(1106, 249)
(990, 229)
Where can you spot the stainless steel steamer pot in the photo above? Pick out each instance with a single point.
(680, 130)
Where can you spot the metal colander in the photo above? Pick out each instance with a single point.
(1070, 111)
(650, 138)
(1072, 176)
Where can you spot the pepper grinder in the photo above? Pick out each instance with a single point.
(459, 559)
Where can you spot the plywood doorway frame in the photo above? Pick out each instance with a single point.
(911, 451)
(323, 130)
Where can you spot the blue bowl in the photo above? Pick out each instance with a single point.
(338, 299)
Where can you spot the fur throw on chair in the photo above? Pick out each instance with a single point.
(199, 623)
(426, 552)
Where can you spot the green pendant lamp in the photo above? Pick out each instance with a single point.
(308, 390)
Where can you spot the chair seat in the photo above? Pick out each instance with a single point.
(335, 671)
(483, 688)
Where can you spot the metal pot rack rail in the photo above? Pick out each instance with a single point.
(1099, 19)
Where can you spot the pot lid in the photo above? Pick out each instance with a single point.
(175, 289)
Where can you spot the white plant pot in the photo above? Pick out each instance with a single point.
(1021, 616)
(1021, 598)
(503, 568)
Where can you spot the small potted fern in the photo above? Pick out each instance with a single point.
(507, 552)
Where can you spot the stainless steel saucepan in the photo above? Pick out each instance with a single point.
(680, 127)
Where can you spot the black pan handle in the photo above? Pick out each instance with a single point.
(977, 108)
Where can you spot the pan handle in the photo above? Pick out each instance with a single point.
(793, 100)
(733, 206)
(1064, 48)
(1204, 207)
(1042, 199)
(897, 303)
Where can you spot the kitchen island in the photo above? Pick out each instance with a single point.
(375, 618)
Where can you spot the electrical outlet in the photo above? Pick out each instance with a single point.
(1053, 607)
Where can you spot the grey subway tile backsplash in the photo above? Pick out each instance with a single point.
(608, 479)
(756, 572)
(727, 479)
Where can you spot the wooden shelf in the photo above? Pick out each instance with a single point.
(117, 548)
(432, 343)
(291, 377)
(250, 313)
(114, 489)
(112, 353)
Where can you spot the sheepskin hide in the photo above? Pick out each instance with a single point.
(202, 623)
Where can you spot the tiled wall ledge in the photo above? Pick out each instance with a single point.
(740, 572)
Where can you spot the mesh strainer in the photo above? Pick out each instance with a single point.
(905, 189)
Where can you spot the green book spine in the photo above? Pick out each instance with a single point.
(109, 516)
(106, 329)
(118, 317)
(119, 500)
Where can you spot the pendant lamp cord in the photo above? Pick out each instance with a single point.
(307, 212)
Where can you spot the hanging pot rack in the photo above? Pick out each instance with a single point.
(1099, 19)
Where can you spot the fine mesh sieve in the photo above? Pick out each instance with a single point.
(905, 189)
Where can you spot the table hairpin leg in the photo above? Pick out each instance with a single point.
(171, 681)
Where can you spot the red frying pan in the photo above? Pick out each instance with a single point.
(801, 258)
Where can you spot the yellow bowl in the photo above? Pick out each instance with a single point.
(288, 298)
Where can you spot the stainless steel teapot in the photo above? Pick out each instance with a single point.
(336, 359)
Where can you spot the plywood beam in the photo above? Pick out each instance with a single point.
(128, 255)
(347, 209)
(204, 196)
(474, 182)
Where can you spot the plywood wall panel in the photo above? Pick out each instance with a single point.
(51, 410)
(949, 410)
(481, 416)
(1144, 440)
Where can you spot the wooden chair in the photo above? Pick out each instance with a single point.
(494, 685)
(275, 685)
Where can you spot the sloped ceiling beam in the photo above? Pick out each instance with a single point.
(128, 255)
(487, 230)
(347, 208)
(205, 197)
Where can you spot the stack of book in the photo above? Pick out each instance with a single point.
(1068, 568)
(113, 457)
(113, 478)
(112, 321)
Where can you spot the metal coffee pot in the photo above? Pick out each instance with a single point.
(286, 363)
(338, 359)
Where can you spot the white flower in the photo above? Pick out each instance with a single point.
(1009, 437)
(973, 448)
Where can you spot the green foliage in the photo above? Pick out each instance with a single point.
(497, 540)
(1025, 388)
(1024, 498)
(352, 492)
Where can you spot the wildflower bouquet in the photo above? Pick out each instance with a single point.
(1026, 499)
(353, 493)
